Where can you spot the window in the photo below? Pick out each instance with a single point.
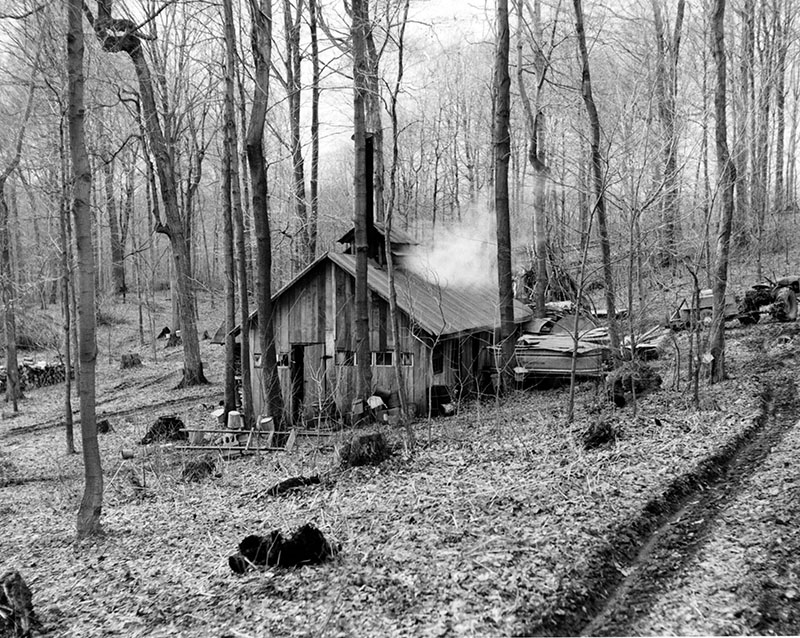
(385, 358)
(407, 358)
(283, 360)
(345, 358)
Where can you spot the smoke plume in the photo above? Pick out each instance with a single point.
(459, 254)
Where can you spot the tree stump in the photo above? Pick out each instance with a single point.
(166, 428)
(16, 606)
(367, 448)
(130, 360)
(600, 433)
(198, 469)
(632, 375)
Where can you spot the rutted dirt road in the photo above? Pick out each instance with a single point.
(721, 554)
(674, 582)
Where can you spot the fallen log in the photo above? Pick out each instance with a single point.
(293, 483)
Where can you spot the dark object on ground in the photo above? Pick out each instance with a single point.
(258, 550)
(368, 448)
(206, 336)
(599, 433)
(16, 606)
(166, 428)
(306, 546)
(292, 483)
(198, 469)
(173, 338)
(130, 360)
(632, 375)
(104, 426)
(439, 400)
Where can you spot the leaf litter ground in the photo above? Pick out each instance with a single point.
(491, 526)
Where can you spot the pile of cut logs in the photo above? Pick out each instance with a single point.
(35, 374)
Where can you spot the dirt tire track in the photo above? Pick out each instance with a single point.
(681, 536)
(639, 558)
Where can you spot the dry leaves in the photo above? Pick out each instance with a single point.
(472, 536)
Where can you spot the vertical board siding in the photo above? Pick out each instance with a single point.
(344, 309)
(317, 312)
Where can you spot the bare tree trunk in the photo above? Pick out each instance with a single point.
(13, 390)
(666, 91)
(313, 216)
(782, 45)
(534, 120)
(363, 350)
(7, 275)
(790, 185)
(293, 70)
(117, 246)
(583, 200)
(763, 130)
(66, 295)
(261, 13)
(390, 267)
(88, 520)
(744, 123)
(229, 150)
(598, 183)
(727, 179)
(236, 212)
(247, 214)
(374, 106)
(126, 214)
(121, 35)
(502, 147)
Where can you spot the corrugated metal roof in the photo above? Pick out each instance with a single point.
(438, 309)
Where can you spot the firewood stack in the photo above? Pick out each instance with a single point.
(36, 374)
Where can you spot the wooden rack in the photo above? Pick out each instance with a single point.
(257, 439)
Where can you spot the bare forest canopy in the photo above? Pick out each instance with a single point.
(652, 77)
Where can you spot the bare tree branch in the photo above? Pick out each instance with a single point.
(23, 15)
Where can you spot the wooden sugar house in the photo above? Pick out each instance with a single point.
(445, 332)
